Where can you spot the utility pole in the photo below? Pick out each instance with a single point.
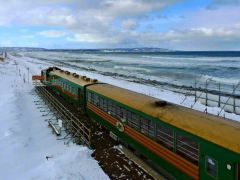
(28, 74)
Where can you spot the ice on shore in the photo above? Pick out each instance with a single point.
(36, 65)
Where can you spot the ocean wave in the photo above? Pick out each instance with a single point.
(228, 81)
(129, 68)
(172, 70)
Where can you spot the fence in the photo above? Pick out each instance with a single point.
(215, 94)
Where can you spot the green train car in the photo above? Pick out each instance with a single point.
(182, 143)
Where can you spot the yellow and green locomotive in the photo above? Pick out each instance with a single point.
(182, 143)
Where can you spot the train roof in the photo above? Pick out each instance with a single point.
(210, 127)
(81, 80)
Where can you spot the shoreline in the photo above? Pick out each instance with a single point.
(167, 95)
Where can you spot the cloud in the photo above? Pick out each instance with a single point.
(191, 39)
(89, 38)
(52, 33)
(129, 24)
(212, 18)
(219, 3)
(66, 13)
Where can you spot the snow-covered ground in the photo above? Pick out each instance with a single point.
(26, 140)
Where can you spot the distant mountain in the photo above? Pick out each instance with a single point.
(21, 49)
(142, 49)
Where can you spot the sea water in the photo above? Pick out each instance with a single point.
(176, 70)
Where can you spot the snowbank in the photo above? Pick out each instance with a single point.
(26, 140)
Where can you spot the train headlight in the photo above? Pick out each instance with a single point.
(229, 167)
(120, 126)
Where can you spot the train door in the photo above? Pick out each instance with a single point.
(43, 73)
(238, 171)
(80, 98)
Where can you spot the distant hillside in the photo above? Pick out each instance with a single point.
(112, 50)
(21, 49)
(143, 49)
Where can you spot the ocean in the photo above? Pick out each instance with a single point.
(169, 70)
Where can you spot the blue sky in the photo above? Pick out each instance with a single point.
(171, 24)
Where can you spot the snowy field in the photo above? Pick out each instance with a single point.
(26, 140)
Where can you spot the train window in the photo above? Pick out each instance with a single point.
(101, 103)
(95, 100)
(144, 126)
(128, 115)
(109, 107)
(134, 122)
(112, 108)
(211, 166)
(165, 136)
(152, 129)
(124, 114)
(147, 127)
(187, 148)
(118, 112)
(75, 91)
(90, 97)
(105, 103)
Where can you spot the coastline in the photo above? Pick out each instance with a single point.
(168, 95)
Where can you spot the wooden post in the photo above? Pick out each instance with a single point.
(219, 97)
(206, 93)
(234, 100)
(195, 90)
(28, 73)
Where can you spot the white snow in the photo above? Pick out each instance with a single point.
(176, 98)
(26, 140)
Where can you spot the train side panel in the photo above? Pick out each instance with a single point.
(169, 169)
(214, 162)
(73, 93)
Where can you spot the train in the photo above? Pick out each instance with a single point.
(180, 142)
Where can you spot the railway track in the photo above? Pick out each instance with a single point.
(106, 150)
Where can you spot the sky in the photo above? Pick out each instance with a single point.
(89, 24)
